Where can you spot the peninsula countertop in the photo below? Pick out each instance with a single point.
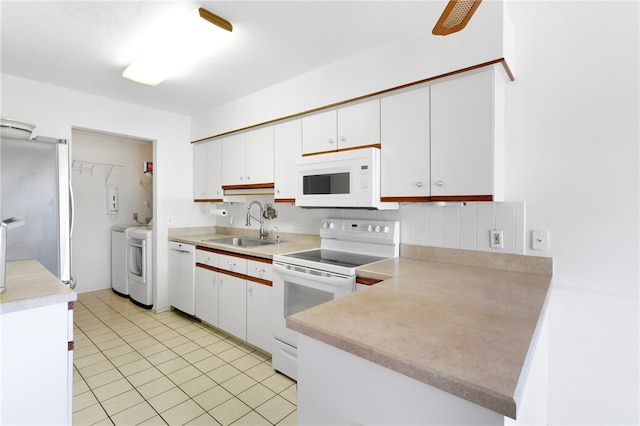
(463, 322)
(30, 285)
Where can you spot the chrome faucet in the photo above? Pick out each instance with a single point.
(263, 233)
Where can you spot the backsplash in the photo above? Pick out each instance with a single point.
(453, 225)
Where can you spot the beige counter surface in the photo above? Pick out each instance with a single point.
(461, 328)
(289, 242)
(30, 285)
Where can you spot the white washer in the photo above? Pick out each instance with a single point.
(119, 279)
(140, 265)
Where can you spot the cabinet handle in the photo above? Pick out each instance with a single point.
(330, 140)
(248, 177)
(241, 178)
(232, 265)
(440, 183)
(250, 290)
(258, 270)
(419, 184)
(342, 138)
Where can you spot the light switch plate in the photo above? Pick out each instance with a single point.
(539, 240)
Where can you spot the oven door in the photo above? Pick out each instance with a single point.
(296, 289)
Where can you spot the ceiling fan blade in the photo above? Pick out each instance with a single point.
(455, 16)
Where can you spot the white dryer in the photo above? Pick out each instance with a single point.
(119, 274)
(140, 265)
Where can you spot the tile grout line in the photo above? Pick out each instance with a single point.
(173, 326)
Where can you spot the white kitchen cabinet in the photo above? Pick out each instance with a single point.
(207, 173)
(347, 127)
(36, 365)
(287, 149)
(467, 137)
(206, 287)
(259, 330)
(247, 158)
(405, 153)
(182, 276)
(233, 305)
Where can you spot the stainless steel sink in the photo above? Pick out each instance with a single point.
(241, 241)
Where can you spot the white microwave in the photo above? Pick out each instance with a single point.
(346, 179)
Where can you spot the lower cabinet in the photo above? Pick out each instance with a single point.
(233, 305)
(36, 366)
(259, 315)
(233, 293)
(207, 297)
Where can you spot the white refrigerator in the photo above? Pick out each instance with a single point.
(36, 194)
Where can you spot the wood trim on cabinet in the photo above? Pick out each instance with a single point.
(284, 200)
(351, 148)
(405, 199)
(266, 185)
(367, 281)
(259, 281)
(501, 61)
(445, 198)
(208, 200)
(231, 253)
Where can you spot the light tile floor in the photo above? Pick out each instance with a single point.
(133, 366)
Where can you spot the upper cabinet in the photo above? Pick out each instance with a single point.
(287, 148)
(247, 158)
(467, 138)
(405, 152)
(207, 175)
(445, 142)
(343, 128)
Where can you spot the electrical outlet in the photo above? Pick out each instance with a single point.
(496, 239)
(135, 216)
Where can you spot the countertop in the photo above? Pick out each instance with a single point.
(443, 320)
(30, 285)
(289, 243)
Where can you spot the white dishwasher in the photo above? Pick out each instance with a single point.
(182, 263)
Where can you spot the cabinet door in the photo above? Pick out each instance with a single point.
(207, 295)
(319, 132)
(200, 171)
(233, 305)
(462, 112)
(405, 159)
(259, 315)
(233, 160)
(259, 156)
(359, 124)
(288, 148)
(214, 172)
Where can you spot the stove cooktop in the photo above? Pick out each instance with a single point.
(335, 258)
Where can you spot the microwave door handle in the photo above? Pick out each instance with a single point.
(335, 281)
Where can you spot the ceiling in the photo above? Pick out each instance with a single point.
(85, 45)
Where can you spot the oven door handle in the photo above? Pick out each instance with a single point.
(330, 279)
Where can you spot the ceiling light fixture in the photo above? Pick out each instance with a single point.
(178, 47)
(455, 16)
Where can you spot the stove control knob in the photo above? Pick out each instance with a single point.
(369, 228)
(332, 225)
(325, 225)
(377, 228)
(386, 229)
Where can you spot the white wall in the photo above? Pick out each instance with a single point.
(572, 157)
(92, 230)
(56, 110)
